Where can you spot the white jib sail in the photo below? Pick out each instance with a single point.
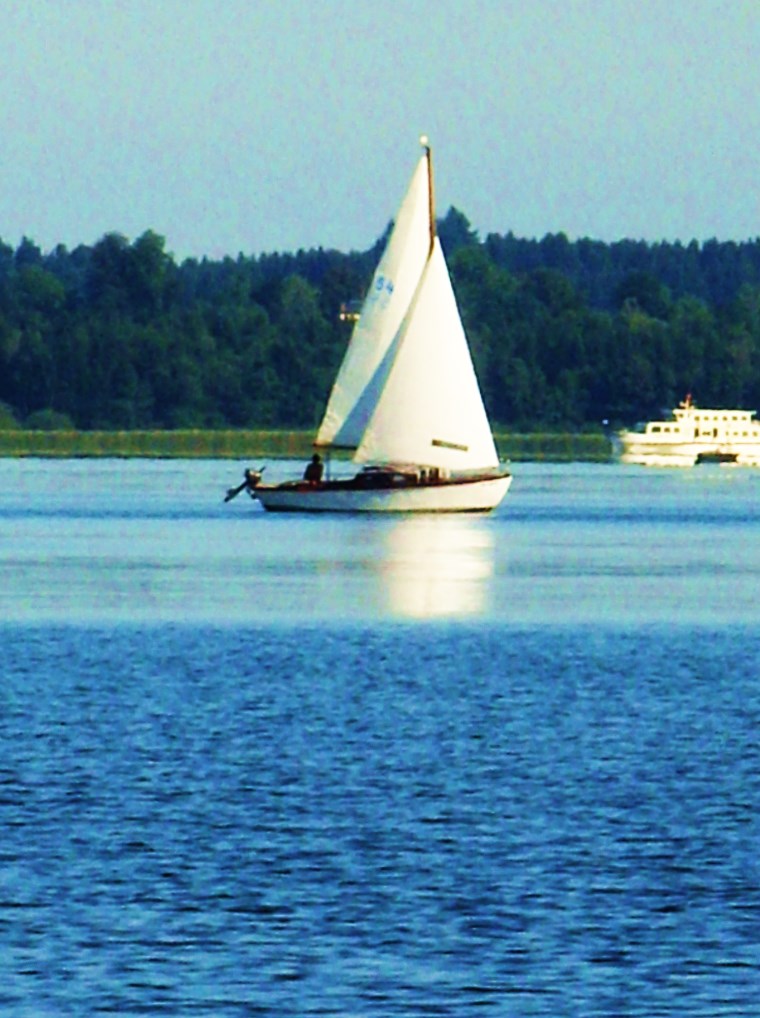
(396, 278)
(430, 411)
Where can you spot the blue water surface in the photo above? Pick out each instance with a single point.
(262, 765)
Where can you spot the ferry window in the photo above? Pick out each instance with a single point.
(655, 427)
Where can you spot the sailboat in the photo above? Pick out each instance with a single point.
(406, 400)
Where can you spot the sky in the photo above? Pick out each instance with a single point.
(254, 126)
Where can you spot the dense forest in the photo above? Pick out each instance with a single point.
(565, 334)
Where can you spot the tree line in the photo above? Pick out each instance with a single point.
(564, 334)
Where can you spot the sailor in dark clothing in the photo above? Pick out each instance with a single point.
(313, 471)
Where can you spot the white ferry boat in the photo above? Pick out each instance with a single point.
(694, 435)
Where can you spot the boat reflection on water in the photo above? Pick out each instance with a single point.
(437, 567)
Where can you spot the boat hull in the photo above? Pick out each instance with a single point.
(691, 435)
(637, 450)
(456, 496)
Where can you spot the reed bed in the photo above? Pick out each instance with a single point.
(555, 447)
(184, 444)
(248, 444)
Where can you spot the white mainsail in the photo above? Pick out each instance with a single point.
(396, 278)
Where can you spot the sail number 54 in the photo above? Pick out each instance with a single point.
(383, 287)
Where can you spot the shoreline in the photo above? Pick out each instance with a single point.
(273, 444)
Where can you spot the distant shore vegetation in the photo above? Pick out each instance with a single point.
(119, 337)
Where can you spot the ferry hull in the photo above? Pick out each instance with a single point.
(650, 454)
(459, 496)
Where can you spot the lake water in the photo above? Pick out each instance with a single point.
(257, 764)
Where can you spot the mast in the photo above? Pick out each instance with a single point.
(431, 197)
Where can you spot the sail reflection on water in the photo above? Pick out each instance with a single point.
(437, 567)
